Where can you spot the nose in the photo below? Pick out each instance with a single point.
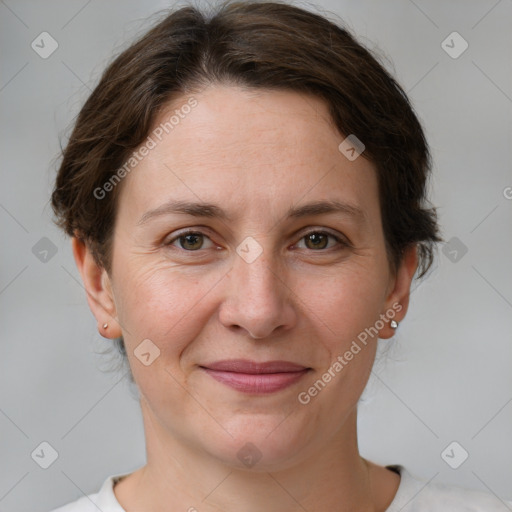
(258, 298)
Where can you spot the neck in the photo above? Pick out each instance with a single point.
(180, 477)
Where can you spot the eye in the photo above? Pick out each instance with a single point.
(318, 240)
(190, 241)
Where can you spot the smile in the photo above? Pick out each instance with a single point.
(253, 377)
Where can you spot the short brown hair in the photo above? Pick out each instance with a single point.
(263, 45)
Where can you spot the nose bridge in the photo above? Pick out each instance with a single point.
(257, 298)
(258, 279)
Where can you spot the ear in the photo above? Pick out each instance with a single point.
(98, 288)
(397, 301)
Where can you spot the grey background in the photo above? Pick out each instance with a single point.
(447, 376)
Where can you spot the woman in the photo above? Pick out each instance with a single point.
(245, 192)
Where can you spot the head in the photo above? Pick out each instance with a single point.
(237, 127)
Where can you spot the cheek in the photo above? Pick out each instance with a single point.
(343, 312)
(344, 309)
(343, 304)
(168, 306)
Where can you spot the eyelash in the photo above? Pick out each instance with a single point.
(342, 243)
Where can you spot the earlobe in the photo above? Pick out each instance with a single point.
(98, 289)
(397, 301)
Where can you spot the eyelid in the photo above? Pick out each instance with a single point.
(203, 231)
(341, 239)
(187, 231)
(320, 229)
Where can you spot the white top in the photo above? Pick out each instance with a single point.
(413, 495)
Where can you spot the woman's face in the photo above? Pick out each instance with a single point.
(266, 276)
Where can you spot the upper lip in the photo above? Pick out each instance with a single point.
(254, 367)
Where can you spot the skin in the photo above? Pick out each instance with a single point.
(255, 154)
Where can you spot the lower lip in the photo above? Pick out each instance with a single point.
(256, 383)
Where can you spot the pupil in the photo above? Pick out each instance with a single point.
(317, 239)
(192, 239)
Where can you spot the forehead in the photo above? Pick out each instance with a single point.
(246, 123)
(247, 148)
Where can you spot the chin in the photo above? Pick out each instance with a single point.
(261, 442)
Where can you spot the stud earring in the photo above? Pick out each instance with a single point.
(393, 324)
(105, 326)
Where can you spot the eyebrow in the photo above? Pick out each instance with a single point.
(210, 210)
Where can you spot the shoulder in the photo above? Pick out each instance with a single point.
(104, 500)
(83, 504)
(419, 495)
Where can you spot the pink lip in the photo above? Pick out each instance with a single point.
(253, 377)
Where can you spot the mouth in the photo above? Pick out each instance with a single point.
(255, 377)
